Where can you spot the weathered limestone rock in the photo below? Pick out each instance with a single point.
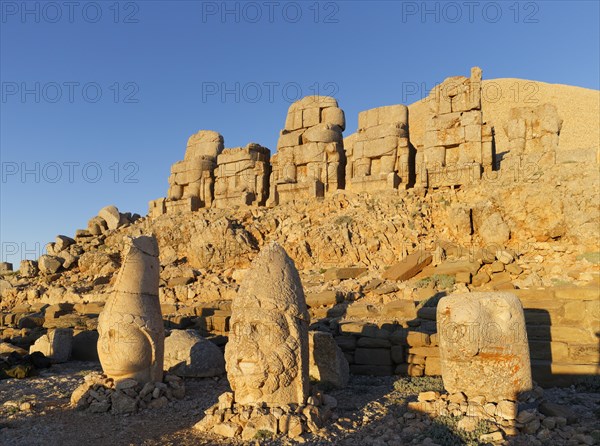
(62, 242)
(49, 264)
(533, 133)
(457, 145)
(56, 344)
(189, 354)
(6, 267)
(131, 342)
(327, 362)
(28, 268)
(310, 157)
(191, 184)
(97, 225)
(378, 154)
(267, 353)
(112, 217)
(483, 345)
(242, 176)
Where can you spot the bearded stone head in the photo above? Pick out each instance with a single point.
(267, 353)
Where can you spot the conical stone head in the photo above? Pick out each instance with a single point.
(267, 353)
(131, 342)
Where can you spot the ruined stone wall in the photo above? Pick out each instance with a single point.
(457, 145)
(242, 177)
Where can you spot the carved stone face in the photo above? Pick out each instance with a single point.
(262, 355)
(123, 348)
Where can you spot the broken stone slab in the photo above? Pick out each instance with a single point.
(483, 345)
(327, 363)
(409, 267)
(6, 267)
(344, 273)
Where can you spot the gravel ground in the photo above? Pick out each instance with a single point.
(35, 411)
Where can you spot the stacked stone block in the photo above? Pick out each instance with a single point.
(378, 154)
(533, 133)
(457, 145)
(242, 176)
(310, 157)
(191, 184)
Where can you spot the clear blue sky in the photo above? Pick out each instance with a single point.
(89, 87)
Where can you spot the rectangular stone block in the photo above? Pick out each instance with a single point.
(409, 267)
(582, 353)
(346, 343)
(323, 298)
(579, 293)
(433, 366)
(293, 120)
(545, 349)
(417, 339)
(375, 148)
(424, 351)
(383, 130)
(398, 354)
(371, 370)
(391, 114)
(372, 356)
(409, 370)
(311, 116)
(404, 309)
(451, 267)
(344, 273)
(473, 133)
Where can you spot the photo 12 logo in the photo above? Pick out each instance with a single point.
(69, 172)
(16, 252)
(69, 92)
(270, 91)
(470, 12)
(270, 12)
(68, 12)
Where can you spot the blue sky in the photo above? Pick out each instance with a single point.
(99, 98)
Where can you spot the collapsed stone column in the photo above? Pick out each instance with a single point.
(131, 333)
(378, 154)
(242, 176)
(483, 346)
(457, 145)
(310, 158)
(191, 184)
(533, 133)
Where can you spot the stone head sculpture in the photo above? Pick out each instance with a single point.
(483, 345)
(131, 342)
(267, 353)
